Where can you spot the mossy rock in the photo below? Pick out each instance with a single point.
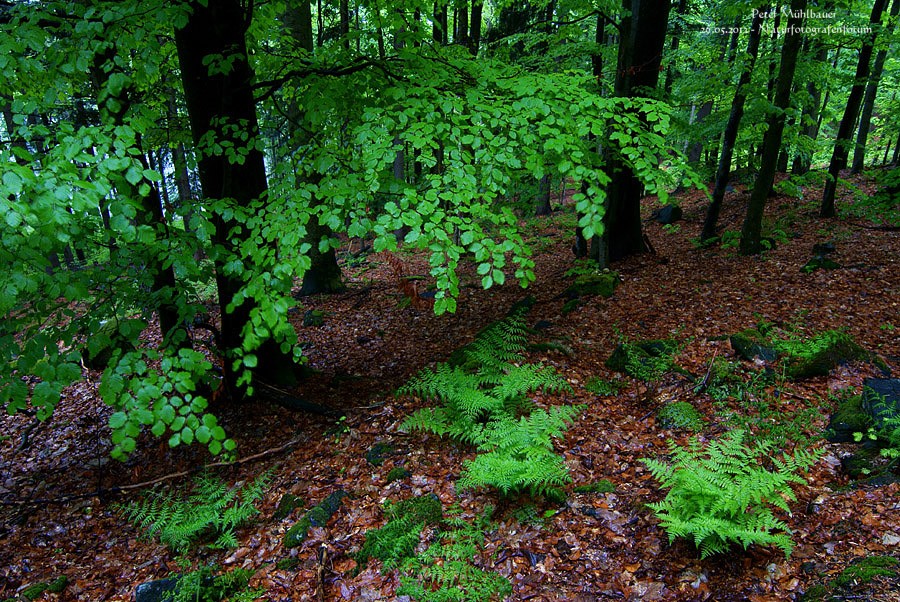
(847, 419)
(857, 465)
(601, 486)
(378, 452)
(318, 516)
(821, 354)
(600, 284)
(866, 569)
(819, 263)
(643, 359)
(397, 473)
(881, 399)
(286, 505)
(680, 415)
(313, 318)
(33, 592)
(750, 344)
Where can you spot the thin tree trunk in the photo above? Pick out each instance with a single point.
(673, 47)
(851, 113)
(868, 104)
(810, 117)
(475, 26)
(731, 128)
(751, 233)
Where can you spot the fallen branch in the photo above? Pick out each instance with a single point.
(100, 492)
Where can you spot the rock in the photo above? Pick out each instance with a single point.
(881, 399)
(847, 419)
(602, 284)
(378, 452)
(155, 591)
(286, 505)
(822, 353)
(823, 248)
(317, 516)
(642, 359)
(819, 263)
(543, 325)
(751, 344)
(313, 317)
(667, 215)
(680, 415)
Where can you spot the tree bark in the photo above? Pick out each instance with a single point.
(216, 103)
(851, 112)
(751, 233)
(475, 26)
(642, 38)
(868, 103)
(731, 128)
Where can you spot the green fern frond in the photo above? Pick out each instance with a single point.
(212, 512)
(721, 493)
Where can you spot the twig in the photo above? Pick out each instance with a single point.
(705, 382)
(321, 556)
(68, 498)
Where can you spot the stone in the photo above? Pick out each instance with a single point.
(881, 399)
(822, 354)
(313, 317)
(667, 215)
(602, 283)
(819, 263)
(286, 505)
(318, 516)
(823, 248)
(751, 344)
(378, 452)
(847, 419)
(155, 591)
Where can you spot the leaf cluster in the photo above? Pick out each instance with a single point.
(724, 492)
(483, 402)
(210, 514)
(203, 585)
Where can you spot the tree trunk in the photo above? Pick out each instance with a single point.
(751, 234)
(810, 117)
(673, 47)
(217, 101)
(324, 273)
(439, 23)
(868, 104)
(731, 128)
(848, 122)
(643, 36)
(543, 197)
(475, 26)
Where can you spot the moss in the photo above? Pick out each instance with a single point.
(286, 505)
(570, 306)
(680, 415)
(33, 592)
(819, 263)
(602, 284)
(426, 509)
(287, 564)
(752, 343)
(866, 569)
(398, 538)
(644, 360)
(378, 452)
(313, 318)
(318, 516)
(815, 593)
(601, 486)
(820, 354)
(598, 386)
(847, 419)
(397, 473)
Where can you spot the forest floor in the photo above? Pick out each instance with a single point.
(58, 519)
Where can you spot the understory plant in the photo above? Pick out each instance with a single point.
(725, 492)
(444, 571)
(483, 401)
(210, 514)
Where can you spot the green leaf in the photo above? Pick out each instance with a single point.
(118, 420)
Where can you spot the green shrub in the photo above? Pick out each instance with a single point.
(211, 513)
(484, 402)
(721, 493)
(598, 386)
(204, 585)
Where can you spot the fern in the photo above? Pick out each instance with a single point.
(721, 493)
(211, 513)
(484, 402)
(444, 572)
(202, 585)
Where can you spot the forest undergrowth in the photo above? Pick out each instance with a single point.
(60, 491)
